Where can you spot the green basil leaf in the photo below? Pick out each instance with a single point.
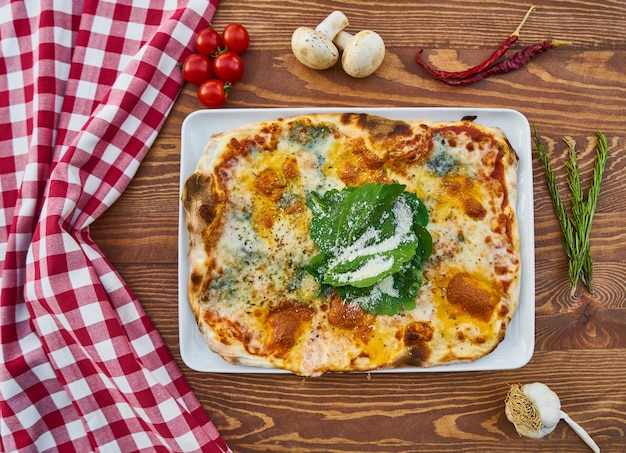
(340, 217)
(425, 248)
(420, 212)
(391, 294)
(372, 240)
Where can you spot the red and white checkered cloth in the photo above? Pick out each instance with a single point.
(85, 87)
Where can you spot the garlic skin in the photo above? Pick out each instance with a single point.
(548, 406)
(535, 410)
(547, 403)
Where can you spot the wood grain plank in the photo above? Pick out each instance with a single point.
(410, 411)
(580, 347)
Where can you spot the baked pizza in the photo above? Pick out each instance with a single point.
(352, 242)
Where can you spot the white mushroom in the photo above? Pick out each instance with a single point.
(315, 48)
(362, 53)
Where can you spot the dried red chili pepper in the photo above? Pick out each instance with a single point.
(440, 74)
(511, 63)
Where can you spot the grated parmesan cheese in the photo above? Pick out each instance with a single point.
(376, 265)
(363, 246)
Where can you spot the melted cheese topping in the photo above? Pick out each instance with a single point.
(259, 306)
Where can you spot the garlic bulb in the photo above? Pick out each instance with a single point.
(535, 410)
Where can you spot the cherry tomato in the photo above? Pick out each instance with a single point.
(197, 68)
(213, 93)
(236, 38)
(228, 66)
(208, 42)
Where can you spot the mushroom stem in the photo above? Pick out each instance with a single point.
(342, 39)
(333, 24)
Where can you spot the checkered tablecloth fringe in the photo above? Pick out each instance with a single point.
(85, 87)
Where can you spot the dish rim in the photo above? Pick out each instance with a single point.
(513, 352)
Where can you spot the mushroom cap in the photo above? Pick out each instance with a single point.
(363, 53)
(313, 49)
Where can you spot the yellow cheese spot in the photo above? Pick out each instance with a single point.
(382, 347)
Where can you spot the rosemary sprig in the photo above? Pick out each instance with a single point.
(590, 208)
(576, 264)
(567, 229)
(576, 230)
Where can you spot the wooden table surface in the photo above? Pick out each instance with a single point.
(580, 349)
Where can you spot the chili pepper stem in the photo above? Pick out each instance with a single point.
(521, 24)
